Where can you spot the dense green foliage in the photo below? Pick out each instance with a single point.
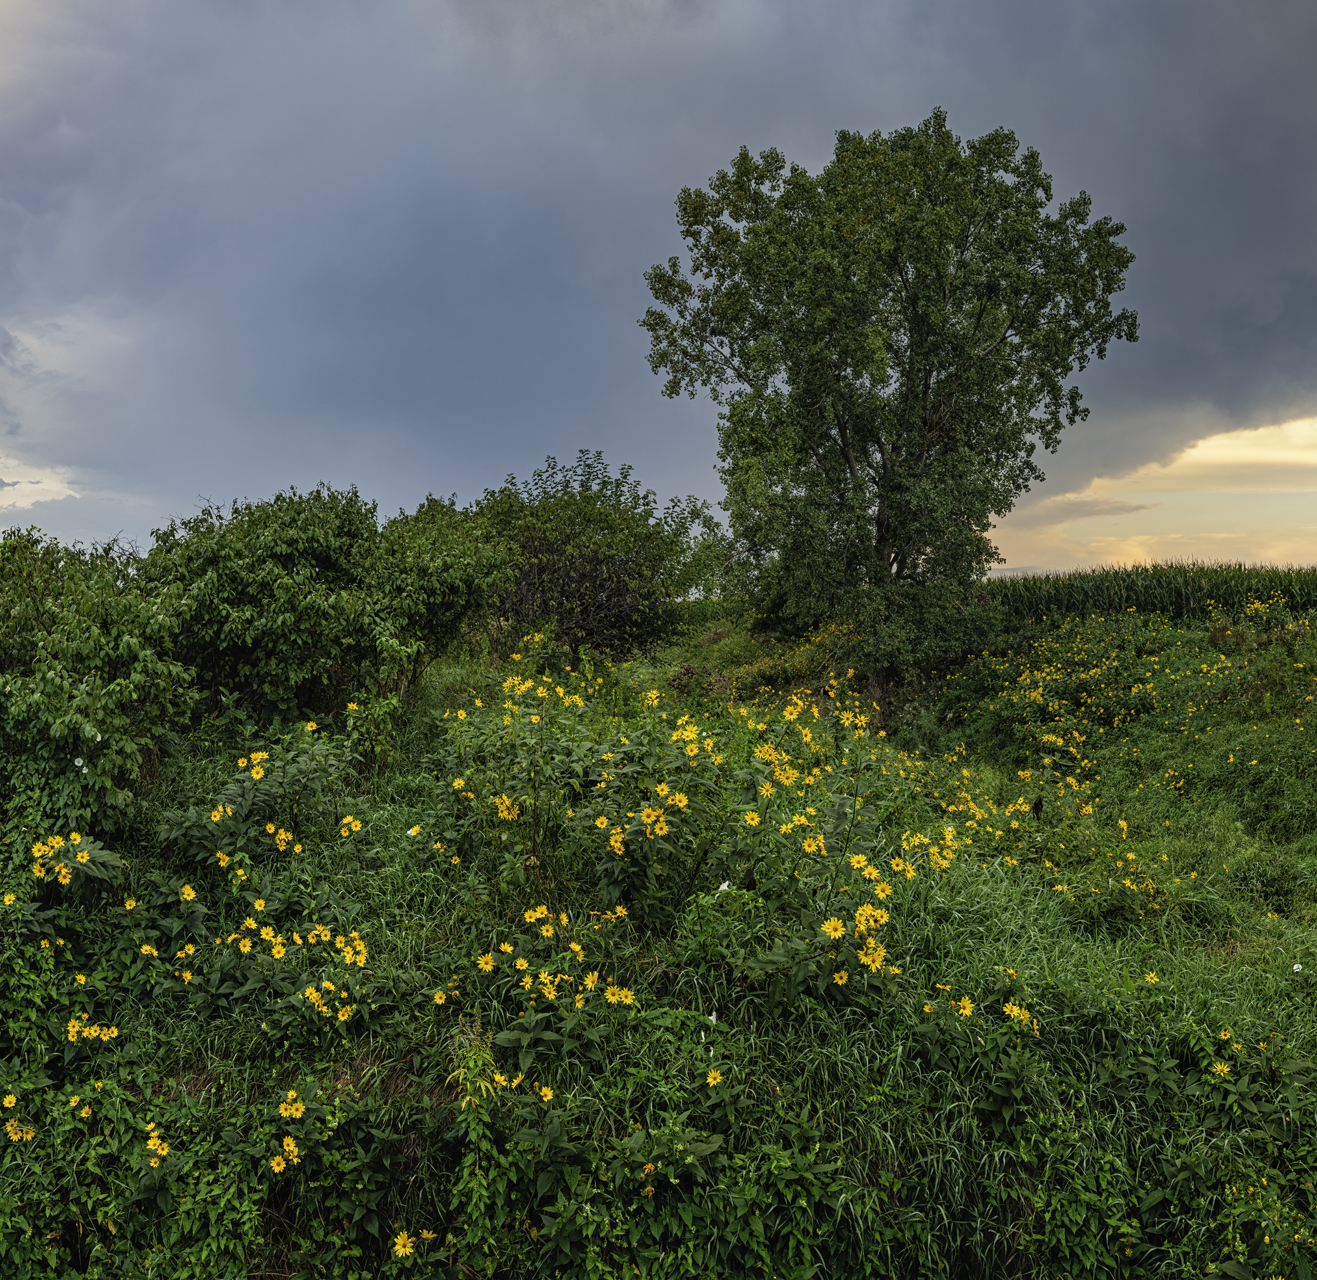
(298, 604)
(891, 341)
(294, 602)
(593, 558)
(279, 606)
(89, 685)
(570, 968)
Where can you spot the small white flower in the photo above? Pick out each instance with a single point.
(98, 737)
(78, 762)
(726, 884)
(713, 1017)
(1298, 968)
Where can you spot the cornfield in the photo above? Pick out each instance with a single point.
(1179, 589)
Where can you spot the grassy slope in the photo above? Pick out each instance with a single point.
(879, 1127)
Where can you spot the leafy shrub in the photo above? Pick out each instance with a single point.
(593, 558)
(89, 682)
(292, 602)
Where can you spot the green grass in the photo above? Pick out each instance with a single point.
(870, 1128)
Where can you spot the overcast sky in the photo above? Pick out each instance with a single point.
(399, 243)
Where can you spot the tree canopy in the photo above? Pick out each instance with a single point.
(889, 343)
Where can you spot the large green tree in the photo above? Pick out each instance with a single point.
(889, 342)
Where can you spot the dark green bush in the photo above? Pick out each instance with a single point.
(593, 559)
(88, 679)
(292, 602)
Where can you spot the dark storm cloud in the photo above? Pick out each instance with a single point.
(250, 244)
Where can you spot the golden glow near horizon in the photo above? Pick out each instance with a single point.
(1246, 495)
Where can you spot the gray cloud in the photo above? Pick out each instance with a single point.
(245, 245)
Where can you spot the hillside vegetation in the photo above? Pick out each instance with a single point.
(368, 936)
